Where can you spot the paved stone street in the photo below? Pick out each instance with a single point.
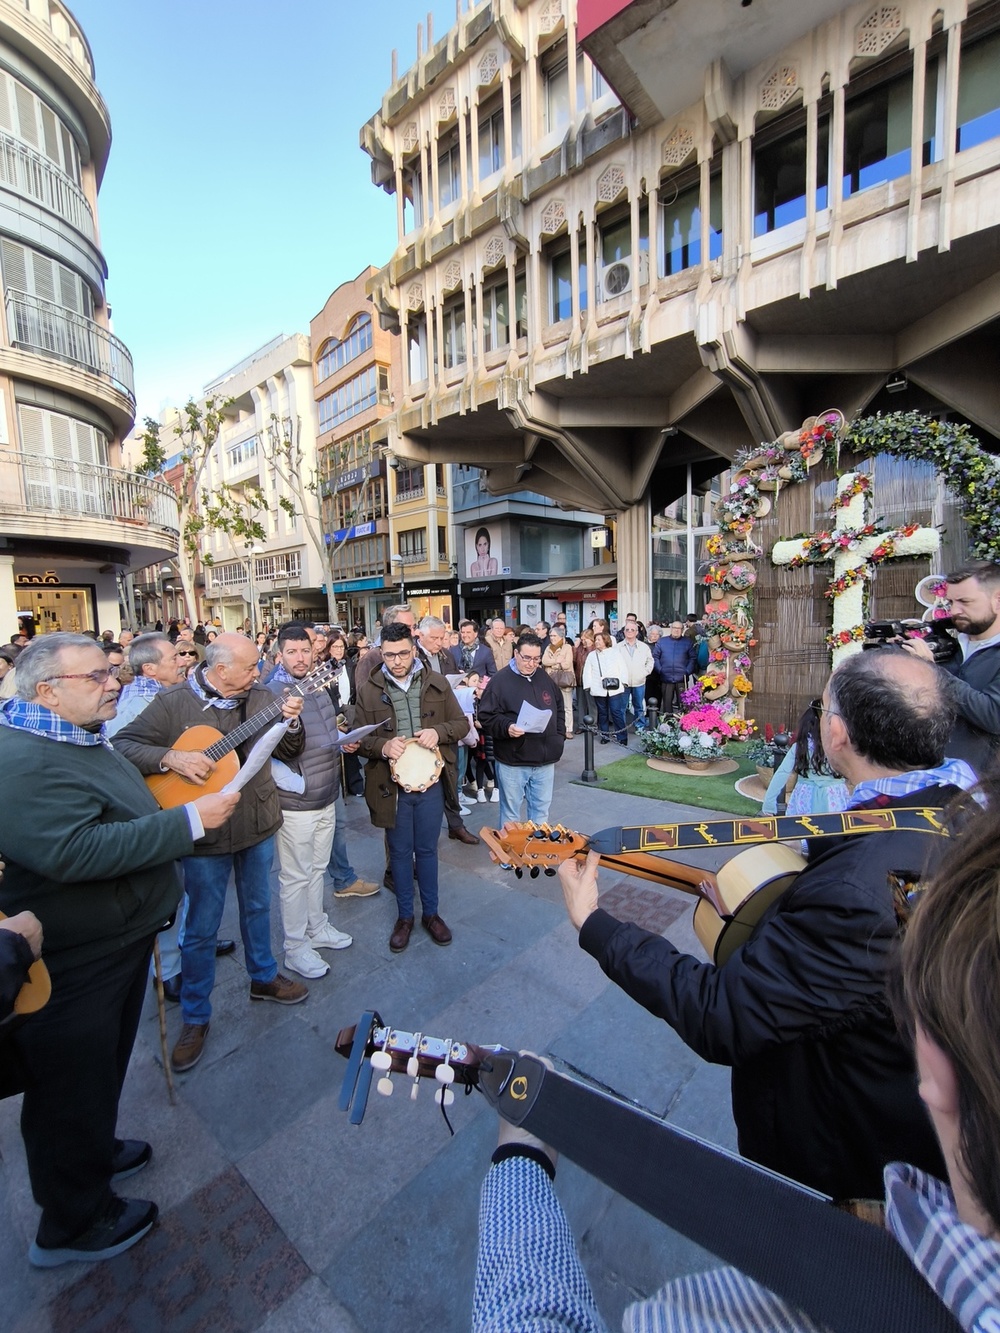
(277, 1215)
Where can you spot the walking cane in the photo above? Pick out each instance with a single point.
(161, 1009)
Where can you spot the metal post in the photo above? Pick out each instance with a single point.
(782, 740)
(652, 714)
(589, 773)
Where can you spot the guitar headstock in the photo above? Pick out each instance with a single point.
(373, 1047)
(533, 847)
(317, 679)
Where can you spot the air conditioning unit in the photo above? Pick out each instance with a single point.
(616, 279)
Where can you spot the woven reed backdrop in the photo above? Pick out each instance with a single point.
(791, 615)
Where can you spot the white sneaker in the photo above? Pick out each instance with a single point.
(306, 962)
(481, 797)
(330, 938)
(495, 797)
(466, 807)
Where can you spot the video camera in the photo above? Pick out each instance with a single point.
(935, 633)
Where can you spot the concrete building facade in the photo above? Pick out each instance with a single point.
(72, 521)
(779, 209)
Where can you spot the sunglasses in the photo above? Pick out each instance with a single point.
(186, 652)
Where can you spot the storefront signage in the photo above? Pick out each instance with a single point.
(49, 577)
(345, 534)
(359, 475)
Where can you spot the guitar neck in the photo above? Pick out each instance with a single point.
(244, 731)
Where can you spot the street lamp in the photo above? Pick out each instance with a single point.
(398, 560)
(166, 572)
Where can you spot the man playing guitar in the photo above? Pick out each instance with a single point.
(823, 1089)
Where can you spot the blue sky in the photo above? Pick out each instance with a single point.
(236, 197)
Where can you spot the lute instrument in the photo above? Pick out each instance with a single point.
(733, 899)
(847, 1274)
(171, 789)
(36, 989)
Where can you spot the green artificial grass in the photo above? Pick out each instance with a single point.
(634, 777)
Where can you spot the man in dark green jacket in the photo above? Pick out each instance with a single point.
(87, 850)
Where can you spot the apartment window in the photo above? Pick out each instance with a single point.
(453, 333)
(27, 270)
(348, 400)
(31, 120)
(241, 452)
(520, 304)
(442, 543)
(63, 463)
(413, 197)
(561, 284)
(490, 142)
(416, 348)
(979, 92)
(409, 483)
(780, 176)
(335, 355)
(515, 125)
(450, 173)
(558, 112)
(496, 315)
(680, 220)
(285, 566)
(413, 544)
(877, 135)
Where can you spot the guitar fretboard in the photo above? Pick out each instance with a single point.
(764, 828)
(317, 680)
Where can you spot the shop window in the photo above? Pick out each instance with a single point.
(680, 219)
(780, 176)
(979, 92)
(877, 135)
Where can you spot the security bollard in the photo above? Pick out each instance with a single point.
(652, 714)
(589, 773)
(782, 740)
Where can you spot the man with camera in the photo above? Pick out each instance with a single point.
(974, 593)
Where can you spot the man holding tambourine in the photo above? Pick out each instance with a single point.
(411, 757)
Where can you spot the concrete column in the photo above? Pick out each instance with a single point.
(8, 595)
(635, 577)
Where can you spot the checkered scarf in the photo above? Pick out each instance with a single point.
(25, 716)
(143, 687)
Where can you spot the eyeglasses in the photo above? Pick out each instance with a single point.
(401, 656)
(529, 661)
(819, 708)
(95, 677)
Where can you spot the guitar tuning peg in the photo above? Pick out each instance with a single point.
(444, 1097)
(534, 872)
(413, 1066)
(381, 1060)
(549, 871)
(414, 1090)
(555, 836)
(519, 872)
(444, 1074)
(384, 1086)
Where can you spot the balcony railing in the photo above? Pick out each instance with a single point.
(35, 483)
(417, 493)
(35, 177)
(37, 325)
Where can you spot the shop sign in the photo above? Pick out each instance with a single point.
(31, 580)
(345, 534)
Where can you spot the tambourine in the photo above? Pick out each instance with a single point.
(37, 988)
(417, 768)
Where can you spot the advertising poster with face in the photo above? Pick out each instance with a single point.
(483, 554)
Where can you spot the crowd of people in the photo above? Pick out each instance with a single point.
(829, 1088)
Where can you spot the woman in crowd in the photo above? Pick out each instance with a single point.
(189, 654)
(557, 660)
(818, 789)
(342, 694)
(602, 677)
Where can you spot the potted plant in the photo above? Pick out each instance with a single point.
(765, 755)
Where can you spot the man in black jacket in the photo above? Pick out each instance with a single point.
(974, 593)
(823, 1089)
(525, 760)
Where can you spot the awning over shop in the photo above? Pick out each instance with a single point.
(577, 584)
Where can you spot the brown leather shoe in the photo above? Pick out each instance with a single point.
(282, 990)
(190, 1047)
(462, 834)
(401, 932)
(436, 929)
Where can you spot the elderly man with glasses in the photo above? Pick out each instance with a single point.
(90, 853)
(525, 760)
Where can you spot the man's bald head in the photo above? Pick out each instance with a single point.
(896, 710)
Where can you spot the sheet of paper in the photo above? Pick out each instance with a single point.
(533, 719)
(349, 737)
(257, 758)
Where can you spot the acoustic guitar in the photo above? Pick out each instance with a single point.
(850, 1276)
(731, 901)
(37, 988)
(171, 789)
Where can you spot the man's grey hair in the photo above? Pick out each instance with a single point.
(146, 650)
(42, 658)
(218, 653)
(431, 623)
(392, 613)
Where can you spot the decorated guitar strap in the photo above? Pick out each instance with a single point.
(851, 1276)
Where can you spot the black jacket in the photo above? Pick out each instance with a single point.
(823, 1087)
(498, 710)
(976, 734)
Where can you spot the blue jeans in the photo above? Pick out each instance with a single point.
(206, 879)
(611, 706)
(517, 783)
(637, 695)
(415, 837)
(171, 943)
(340, 869)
